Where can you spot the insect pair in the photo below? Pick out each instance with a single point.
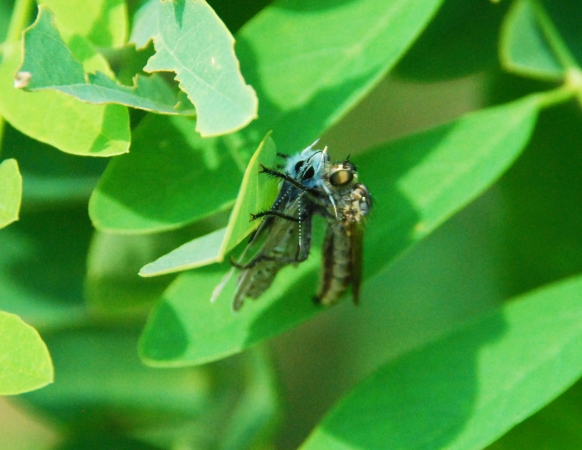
(311, 184)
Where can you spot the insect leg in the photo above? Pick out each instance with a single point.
(272, 213)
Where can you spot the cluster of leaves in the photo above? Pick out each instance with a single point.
(184, 144)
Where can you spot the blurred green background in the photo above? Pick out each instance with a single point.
(524, 232)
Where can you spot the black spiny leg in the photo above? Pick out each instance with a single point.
(264, 258)
(287, 178)
(271, 213)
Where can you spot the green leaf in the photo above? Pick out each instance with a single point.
(25, 363)
(102, 22)
(191, 40)
(417, 183)
(199, 252)
(367, 38)
(464, 391)
(43, 45)
(256, 193)
(176, 178)
(57, 119)
(532, 45)
(10, 192)
(311, 62)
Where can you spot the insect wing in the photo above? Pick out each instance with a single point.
(286, 242)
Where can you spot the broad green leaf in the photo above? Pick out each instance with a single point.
(525, 48)
(103, 22)
(417, 183)
(10, 192)
(199, 252)
(25, 363)
(311, 62)
(191, 40)
(192, 408)
(55, 239)
(43, 45)
(256, 194)
(464, 391)
(302, 91)
(57, 119)
(172, 177)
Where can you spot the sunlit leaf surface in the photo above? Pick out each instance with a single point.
(25, 363)
(43, 46)
(60, 120)
(10, 192)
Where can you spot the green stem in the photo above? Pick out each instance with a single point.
(19, 19)
(560, 95)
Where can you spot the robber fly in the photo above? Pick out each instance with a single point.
(286, 228)
(311, 185)
(349, 203)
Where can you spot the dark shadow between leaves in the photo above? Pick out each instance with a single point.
(53, 246)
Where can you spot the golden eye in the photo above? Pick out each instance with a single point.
(341, 177)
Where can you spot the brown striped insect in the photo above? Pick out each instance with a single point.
(343, 243)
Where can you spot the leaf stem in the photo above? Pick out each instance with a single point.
(571, 88)
(18, 22)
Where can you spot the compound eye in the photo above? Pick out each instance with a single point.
(309, 174)
(341, 177)
(299, 165)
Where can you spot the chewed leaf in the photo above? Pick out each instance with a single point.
(26, 363)
(191, 40)
(256, 194)
(43, 45)
(10, 192)
(99, 130)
